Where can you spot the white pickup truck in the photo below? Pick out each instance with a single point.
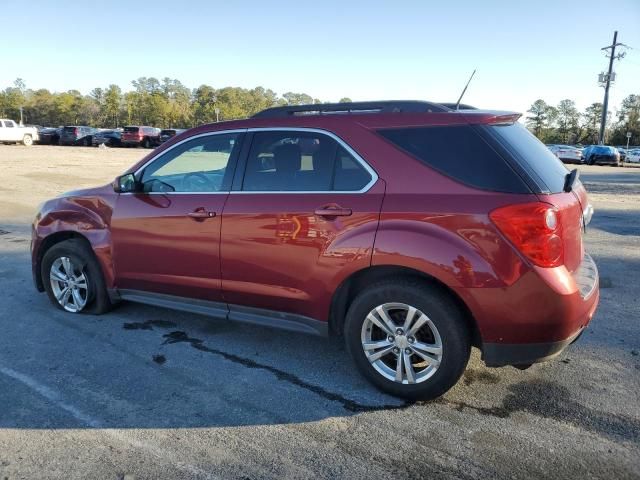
(11, 132)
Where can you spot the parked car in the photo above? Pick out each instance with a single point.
(567, 154)
(623, 153)
(408, 229)
(49, 136)
(601, 154)
(140, 136)
(633, 156)
(169, 133)
(110, 138)
(11, 132)
(76, 135)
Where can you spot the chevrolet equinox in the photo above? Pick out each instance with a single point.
(412, 230)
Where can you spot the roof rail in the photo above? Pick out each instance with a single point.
(462, 106)
(386, 106)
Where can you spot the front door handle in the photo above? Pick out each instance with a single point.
(201, 214)
(333, 211)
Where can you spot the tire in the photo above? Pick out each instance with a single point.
(146, 143)
(87, 141)
(431, 379)
(27, 140)
(85, 266)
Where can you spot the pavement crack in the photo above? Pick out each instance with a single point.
(347, 404)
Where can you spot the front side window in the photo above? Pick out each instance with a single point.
(293, 161)
(199, 165)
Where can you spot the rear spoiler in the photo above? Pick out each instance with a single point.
(488, 117)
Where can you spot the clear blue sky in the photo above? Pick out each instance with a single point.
(329, 49)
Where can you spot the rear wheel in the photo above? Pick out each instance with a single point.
(73, 278)
(27, 140)
(146, 143)
(408, 338)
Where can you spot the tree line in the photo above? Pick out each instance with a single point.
(168, 103)
(165, 103)
(564, 124)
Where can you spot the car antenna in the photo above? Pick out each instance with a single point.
(465, 89)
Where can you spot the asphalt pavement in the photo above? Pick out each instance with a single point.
(149, 393)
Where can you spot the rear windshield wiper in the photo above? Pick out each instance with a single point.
(570, 180)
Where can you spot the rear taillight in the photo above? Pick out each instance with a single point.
(534, 229)
(75, 131)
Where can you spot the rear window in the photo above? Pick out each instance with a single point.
(168, 132)
(534, 156)
(460, 153)
(131, 129)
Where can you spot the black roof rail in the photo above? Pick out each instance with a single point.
(462, 106)
(385, 106)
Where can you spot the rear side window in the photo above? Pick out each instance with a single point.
(534, 156)
(131, 129)
(293, 161)
(460, 153)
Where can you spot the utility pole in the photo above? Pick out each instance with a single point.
(608, 79)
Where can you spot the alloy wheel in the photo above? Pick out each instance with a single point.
(69, 284)
(401, 343)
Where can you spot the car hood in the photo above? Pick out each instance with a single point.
(89, 192)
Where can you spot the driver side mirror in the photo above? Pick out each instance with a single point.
(126, 184)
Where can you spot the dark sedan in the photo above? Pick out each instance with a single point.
(110, 138)
(601, 154)
(49, 136)
(169, 133)
(77, 135)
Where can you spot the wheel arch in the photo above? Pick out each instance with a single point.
(48, 242)
(358, 280)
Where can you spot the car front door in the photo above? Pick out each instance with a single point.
(166, 237)
(304, 213)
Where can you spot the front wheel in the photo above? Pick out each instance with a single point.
(27, 140)
(408, 338)
(73, 278)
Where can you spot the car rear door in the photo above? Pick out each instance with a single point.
(166, 238)
(302, 214)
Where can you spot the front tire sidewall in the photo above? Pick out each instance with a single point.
(445, 315)
(97, 297)
(27, 141)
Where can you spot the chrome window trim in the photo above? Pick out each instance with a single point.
(161, 154)
(372, 173)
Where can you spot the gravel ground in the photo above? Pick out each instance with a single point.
(151, 393)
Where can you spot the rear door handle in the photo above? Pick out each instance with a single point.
(333, 212)
(201, 214)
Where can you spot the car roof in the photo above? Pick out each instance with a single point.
(313, 116)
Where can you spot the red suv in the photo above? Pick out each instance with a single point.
(146, 137)
(413, 230)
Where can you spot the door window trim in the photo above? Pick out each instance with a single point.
(159, 155)
(242, 163)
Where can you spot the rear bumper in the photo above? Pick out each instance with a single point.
(534, 319)
(606, 159)
(503, 354)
